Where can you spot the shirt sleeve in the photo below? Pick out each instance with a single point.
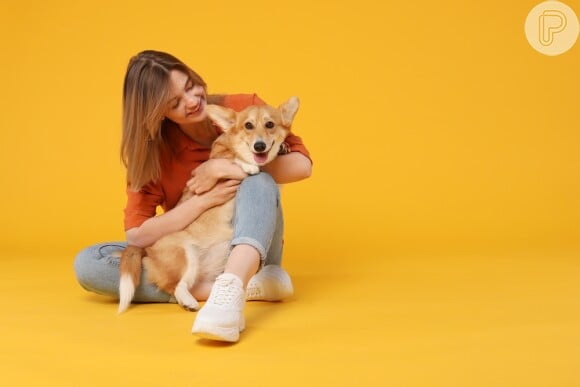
(239, 102)
(142, 205)
(294, 143)
(257, 100)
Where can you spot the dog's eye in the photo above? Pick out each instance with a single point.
(249, 125)
(269, 125)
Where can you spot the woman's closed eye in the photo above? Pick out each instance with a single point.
(189, 86)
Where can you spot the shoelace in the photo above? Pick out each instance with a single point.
(226, 292)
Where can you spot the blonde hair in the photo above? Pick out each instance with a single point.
(145, 98)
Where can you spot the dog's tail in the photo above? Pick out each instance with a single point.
(130, 275)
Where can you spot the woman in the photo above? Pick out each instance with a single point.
(166, 136)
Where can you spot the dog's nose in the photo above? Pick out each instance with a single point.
(259, 146)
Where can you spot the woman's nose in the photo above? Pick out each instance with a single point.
(192, 100)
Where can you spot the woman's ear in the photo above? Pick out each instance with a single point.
(223, 117)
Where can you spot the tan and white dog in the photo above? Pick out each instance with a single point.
(251, 138)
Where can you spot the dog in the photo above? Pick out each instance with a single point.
(251, 138)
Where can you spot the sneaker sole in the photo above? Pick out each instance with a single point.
(211, 332)
(226, 335)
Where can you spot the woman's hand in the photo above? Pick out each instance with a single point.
(206, 176)
(221, 193)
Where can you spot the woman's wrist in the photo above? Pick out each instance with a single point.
(232, 170)
(198, 204)
(221, 168)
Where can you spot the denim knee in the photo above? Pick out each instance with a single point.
(97, 267)
(81, 266)
(260, 184)
(256, 212)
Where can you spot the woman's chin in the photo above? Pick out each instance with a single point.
(196, 117)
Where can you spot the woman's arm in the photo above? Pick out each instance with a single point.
(182, 215)
(289, 168)
(284, 169)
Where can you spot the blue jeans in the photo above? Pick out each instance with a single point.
(257, 222)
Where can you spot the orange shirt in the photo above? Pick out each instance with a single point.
(177, 165)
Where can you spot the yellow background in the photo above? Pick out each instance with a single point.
(436, 243)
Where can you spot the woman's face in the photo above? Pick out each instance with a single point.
(186, 101)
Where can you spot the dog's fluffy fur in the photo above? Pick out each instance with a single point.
(251, 138)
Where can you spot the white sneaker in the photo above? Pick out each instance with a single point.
(222, 318)
(271, 283)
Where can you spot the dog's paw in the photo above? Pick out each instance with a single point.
(251, 169)
(191, 307)
(186, 300)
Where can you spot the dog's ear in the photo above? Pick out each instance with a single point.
(288, 110)
(223, 117)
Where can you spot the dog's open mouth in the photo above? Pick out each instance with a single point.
(261, 158)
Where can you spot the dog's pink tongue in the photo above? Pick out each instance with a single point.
(260, 158)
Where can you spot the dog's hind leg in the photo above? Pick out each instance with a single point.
(182, 293)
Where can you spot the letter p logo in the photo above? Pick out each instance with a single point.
(552, 28)
(551, 22)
